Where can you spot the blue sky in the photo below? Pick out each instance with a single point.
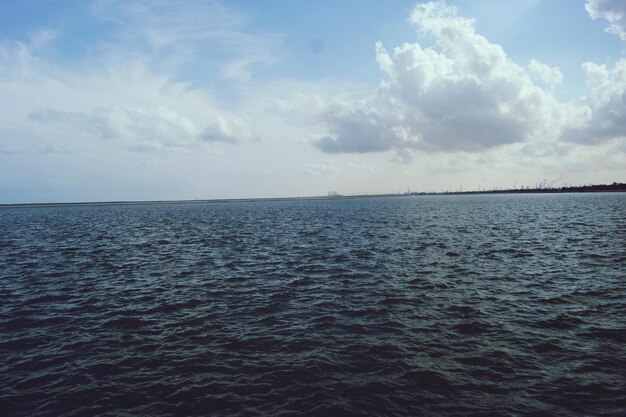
(109, 100)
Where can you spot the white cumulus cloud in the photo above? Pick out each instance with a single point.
(603, 110)
(358, 128)
(614, 11)
(604, 107)
(463, 93)
(547, 74)
(227, 129)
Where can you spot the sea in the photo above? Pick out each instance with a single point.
(446, 305)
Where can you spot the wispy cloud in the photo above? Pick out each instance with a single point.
(175, 33)
(131, 124)
(319, 169)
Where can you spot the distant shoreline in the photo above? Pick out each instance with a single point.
(598, 188)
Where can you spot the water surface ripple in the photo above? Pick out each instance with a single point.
(443, 305)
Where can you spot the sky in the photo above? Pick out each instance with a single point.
(155, 100)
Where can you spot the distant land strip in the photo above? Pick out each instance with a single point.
(616, 187)
(597, 188)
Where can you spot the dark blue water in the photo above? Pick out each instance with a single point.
(445, 305)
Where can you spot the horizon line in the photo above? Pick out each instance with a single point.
(591, 188)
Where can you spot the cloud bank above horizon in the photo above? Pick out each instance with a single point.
(206, 100)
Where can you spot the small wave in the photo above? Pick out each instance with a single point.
(471, 328)
(125, 323)
(609, 334)
(425, 379)
(561, 322)
(547, 347)
(462, 311)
